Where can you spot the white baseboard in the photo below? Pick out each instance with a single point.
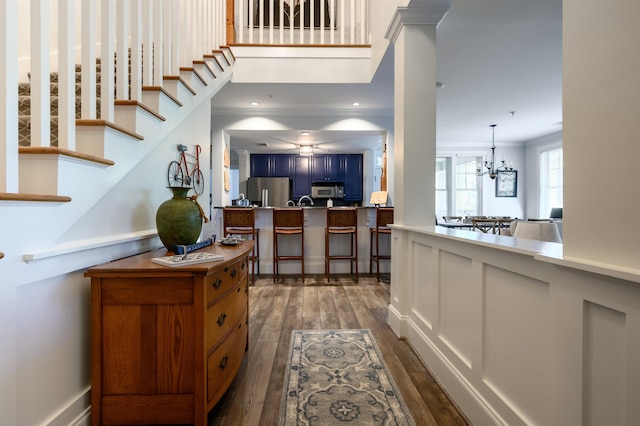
(77, 412)
(467, 397)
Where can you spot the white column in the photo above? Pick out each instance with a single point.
(601, 107)
(413, 33)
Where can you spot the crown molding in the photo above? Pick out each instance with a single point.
(427, 15)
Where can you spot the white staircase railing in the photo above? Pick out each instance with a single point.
(302, 22)
(158, 37)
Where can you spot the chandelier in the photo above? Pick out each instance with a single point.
(489, 165)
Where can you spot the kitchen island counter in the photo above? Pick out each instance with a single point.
(315, 218)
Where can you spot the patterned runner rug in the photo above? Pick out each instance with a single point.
(338, 377)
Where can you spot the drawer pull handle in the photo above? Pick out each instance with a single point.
(234, 273)
(223, 362)
(243, 266)
(221, 318)
(217, 283)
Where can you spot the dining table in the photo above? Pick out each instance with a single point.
(491, 225)
(456, 225)
(484, 224)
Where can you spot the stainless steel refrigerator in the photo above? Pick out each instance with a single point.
(265, 192)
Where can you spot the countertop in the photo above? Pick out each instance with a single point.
(304, 207)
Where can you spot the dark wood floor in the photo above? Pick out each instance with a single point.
(277, 309)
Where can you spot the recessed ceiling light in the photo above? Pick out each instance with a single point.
(305, 133)
(356, 104)
(254, 103)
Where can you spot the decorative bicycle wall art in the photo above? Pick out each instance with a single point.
(186, 171)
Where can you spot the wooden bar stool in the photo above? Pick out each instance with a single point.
(344, 221)
(384, 216)
(242, 221)
(287, 221)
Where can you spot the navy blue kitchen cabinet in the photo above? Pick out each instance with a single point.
(353, 171)
(260, 165)
(271, 165)
(282, 165)
(326, 167)
(303, 170)
(301, 176)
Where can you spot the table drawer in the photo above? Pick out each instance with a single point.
(244, 267)
(221, 317)
(220, 282)
(224, 362)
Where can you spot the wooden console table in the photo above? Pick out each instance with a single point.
(166, 343)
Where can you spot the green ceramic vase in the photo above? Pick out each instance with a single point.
(178, 220)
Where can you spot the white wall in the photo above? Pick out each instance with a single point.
(381, 12)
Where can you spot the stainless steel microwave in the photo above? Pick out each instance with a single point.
(324, 190)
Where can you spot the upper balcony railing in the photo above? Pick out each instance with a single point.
(300, 22)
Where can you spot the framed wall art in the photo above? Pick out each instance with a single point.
(507, 184)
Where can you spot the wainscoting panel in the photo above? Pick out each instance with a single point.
(456, 304)
(424, 300)
(517, 336)
(604, 367)
(514, 337)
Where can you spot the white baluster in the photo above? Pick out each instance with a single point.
(40, 67)
(8, 96)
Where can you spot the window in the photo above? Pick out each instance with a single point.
(443, 186)
(459, 193)
(468, 187)
(551, 183)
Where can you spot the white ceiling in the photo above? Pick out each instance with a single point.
(494, 57)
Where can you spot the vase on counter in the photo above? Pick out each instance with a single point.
(179, 219)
